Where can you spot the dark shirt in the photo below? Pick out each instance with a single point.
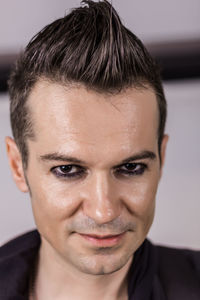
(157, 273)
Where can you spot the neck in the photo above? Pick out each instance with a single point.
(56, 279)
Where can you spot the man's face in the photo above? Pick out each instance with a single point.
(93, 172)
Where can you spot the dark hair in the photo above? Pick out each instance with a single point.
(89, 46)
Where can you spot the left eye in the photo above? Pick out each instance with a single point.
(131, 169)
(68, 171)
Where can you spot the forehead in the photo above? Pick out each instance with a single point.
(69, 114)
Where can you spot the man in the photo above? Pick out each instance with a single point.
(88, 116)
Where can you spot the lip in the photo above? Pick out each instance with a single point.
(107, 240)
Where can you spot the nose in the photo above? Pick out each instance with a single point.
(101, 202)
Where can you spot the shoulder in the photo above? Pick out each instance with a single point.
(179, 272)
(16, 260)
(19, 250)
(182, 258)
(19, 245)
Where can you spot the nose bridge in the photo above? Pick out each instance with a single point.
(102, 203)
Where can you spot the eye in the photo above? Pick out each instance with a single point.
(131, 169)
(68, 171)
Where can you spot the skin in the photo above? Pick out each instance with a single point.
(107, 197)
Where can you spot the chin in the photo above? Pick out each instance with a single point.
(103, 263)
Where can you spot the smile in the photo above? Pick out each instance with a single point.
(103, 240)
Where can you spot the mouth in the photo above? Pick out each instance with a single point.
(107, 240)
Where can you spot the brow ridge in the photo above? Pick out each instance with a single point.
(146, 154)
(56, 156)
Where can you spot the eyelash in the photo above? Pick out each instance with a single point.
(138, 169)
(58, 173)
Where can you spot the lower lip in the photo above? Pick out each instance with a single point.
(103, 242)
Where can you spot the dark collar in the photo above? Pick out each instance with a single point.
(17, 259)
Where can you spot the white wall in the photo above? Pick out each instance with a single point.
(177, 220)
(15, 212)
(151, 20)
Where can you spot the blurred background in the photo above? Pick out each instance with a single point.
(171, 31)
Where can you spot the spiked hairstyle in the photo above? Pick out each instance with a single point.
(89, 46)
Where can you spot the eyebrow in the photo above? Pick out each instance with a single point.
(60, 157)
(55, 156)
(142, 155)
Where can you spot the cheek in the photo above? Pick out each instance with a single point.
(51, 202)
(141, 198)
(141, 204)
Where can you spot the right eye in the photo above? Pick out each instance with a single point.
(68, 171)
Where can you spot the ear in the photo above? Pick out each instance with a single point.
(163, 150)
(15, 162)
